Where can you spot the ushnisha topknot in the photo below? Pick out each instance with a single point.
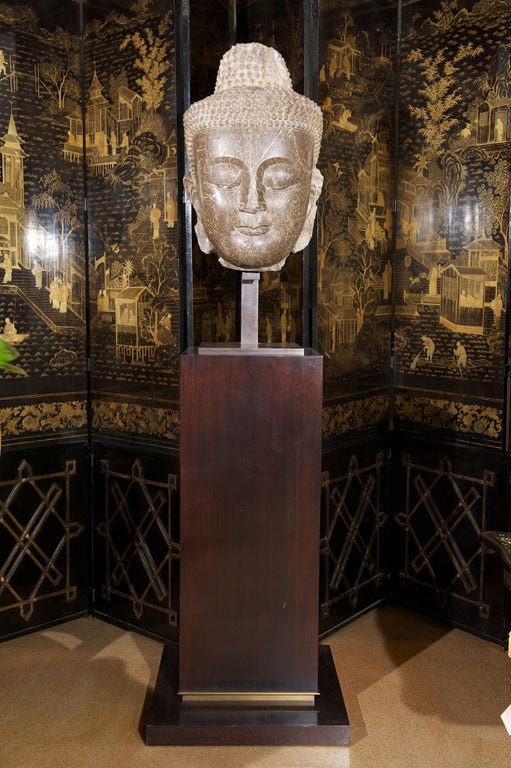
(252, 65)
(253, 88)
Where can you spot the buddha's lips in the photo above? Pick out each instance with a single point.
(262, 229)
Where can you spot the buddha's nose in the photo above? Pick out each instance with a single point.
(252, 199)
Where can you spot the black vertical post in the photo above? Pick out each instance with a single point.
(183, 99)
(310, 281)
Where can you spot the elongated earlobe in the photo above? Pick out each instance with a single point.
(205, 243)
(308, 226)
(190, 186)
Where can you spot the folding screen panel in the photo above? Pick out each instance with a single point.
(43, 410)
(453, 213)
(356, 88)
(450, 296)
(133, 188)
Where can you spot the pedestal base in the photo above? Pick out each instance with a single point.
(173, 723)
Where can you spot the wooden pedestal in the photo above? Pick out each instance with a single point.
(172, 723)
(250, 496)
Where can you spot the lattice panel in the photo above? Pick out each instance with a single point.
(350, 543)
(36, 530)
(445, 513)
(141, 554)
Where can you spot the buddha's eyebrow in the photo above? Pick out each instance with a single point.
(228, 159)
(276, 161)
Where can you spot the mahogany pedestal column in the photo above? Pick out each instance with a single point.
(250, 496)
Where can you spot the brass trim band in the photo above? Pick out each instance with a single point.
(301, 699)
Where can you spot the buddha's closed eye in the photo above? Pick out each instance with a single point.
(225, 173)
(280, 174)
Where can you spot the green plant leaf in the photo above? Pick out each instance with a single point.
(6, 355)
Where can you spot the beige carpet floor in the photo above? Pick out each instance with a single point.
(418, 694)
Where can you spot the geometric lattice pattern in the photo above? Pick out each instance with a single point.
(141, 555)
(350, 539)
(35, 534)
(445, 513)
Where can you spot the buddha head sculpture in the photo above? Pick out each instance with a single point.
(252, 148)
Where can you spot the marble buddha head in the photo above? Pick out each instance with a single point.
(252, 148)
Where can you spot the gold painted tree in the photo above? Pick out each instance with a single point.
(332, 210)
(346, 24)
(438, 96)
(156, 272)
(141, 7)
(54, 197)
(18, 15)
(444, 16)
(366, 266)
(153, 62)
(493, 196)
(157, 265)
(58, 73)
